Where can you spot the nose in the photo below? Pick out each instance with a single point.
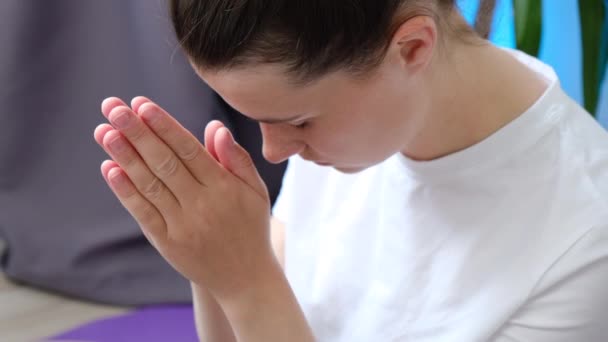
(280, 143)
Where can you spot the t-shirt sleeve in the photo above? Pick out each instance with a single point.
(571, 303)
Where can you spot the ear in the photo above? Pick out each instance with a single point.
(413, 43)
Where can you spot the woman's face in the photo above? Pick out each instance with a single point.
(349, 124)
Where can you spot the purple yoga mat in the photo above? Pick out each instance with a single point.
(150, 324)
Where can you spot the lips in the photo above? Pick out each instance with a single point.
(318, 162)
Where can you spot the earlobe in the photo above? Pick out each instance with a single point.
(414, 41)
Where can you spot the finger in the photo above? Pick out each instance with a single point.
(159, 158)
(238, 161)
(210, 131)
(100, 132)
(187, 147)
(137, 101)
(147, 184)
(106, 166)
(150, 220)
(110, 103)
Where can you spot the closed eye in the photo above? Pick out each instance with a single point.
(300, 125)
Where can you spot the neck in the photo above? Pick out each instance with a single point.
(477, 90)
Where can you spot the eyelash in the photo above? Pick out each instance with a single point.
(301, 125)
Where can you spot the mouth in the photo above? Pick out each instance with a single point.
(318, 162)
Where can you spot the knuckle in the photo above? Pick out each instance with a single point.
(151, 222)
(168, 167)
(148, 215)
(154, 189)
(130, 162)
(190, 152)
(137, 134)
(130, 194)
(161, 127)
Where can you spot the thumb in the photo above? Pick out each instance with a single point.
(238, 161)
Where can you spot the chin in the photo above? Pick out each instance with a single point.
(349, 170)
(343, 169)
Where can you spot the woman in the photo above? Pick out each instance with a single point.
(439, 188)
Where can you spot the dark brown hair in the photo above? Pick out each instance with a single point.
(309, 37)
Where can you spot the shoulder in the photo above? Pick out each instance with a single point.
(586, 258)
(570, 302)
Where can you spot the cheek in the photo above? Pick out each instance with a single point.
(341, 138)
(369, 137)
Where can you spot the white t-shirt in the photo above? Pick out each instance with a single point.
(506, 240)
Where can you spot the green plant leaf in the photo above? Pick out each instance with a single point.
(528, 25)
(604, 45)
(592, 15)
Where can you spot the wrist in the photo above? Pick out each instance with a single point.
(267, 309)
(267, 282)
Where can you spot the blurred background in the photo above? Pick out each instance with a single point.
(67, 240)
(560, 41)
(69, 252)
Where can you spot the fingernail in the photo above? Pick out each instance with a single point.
(122, 120)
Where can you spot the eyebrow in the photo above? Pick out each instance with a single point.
(275, 121)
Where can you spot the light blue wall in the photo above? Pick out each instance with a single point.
(560, 44)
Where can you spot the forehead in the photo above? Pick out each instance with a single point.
(259, 90)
